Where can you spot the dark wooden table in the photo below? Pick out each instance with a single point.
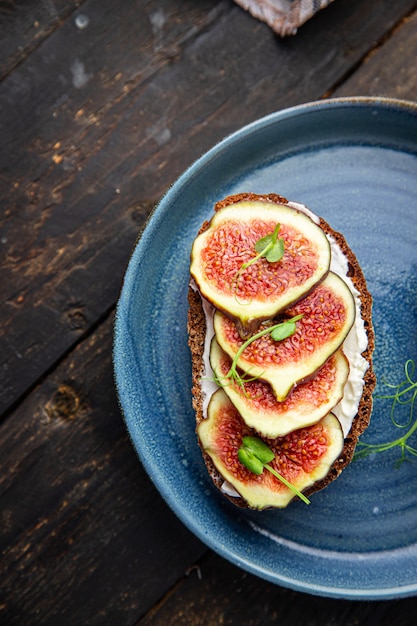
(102, 105)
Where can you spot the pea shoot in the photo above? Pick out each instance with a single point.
(270, 247)
(278, 332)
(256, 456)
(405, 393)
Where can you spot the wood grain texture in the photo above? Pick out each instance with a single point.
(73, 177)
(389, 70)
(91, 142)
(24, 25)
(78, 538)
(216, 592)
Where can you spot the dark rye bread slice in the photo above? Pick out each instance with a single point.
(197, 335)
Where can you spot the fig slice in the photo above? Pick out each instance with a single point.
(265, 288)
(305, 405)
(302, 457)
(328, 315)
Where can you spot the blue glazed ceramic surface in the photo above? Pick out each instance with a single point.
(354, 162)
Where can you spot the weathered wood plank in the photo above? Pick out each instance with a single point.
(68, 218)
(98, 122)
(84, 536)
(24, 25)
(390, 70)
(216, 592)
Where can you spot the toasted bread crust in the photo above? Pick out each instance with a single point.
(197, 334)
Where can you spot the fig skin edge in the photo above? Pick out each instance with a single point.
(276, 419)
(264, 491)
(251, 314)
(305, 368)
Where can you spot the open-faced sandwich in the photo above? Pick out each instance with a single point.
(281, 339)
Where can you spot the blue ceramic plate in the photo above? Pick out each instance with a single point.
(354, 162)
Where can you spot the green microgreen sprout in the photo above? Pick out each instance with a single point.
(270, 247)
(255, 455)
(278, 332)
(405, 393)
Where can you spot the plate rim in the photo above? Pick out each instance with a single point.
(291, 111)
(361, 101)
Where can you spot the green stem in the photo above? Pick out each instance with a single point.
(245, 266)
(262, 253)
(367, 449)
(287, 484)
(233, 373)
